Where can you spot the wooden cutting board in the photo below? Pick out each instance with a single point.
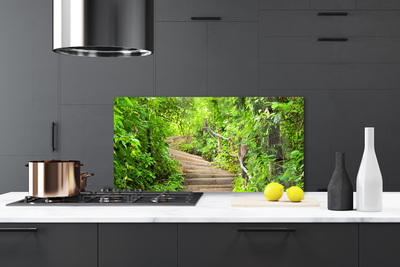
(263, 202)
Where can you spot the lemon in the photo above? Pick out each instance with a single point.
(273, 191)
(295, 194)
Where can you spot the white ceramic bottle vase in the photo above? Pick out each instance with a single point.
(369, 177)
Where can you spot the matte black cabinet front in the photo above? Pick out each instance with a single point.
(379, 244)
(28, 89)
(48, 245)
(147, 244)
(208, 51)
(268, 245)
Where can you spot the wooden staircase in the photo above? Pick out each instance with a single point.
(200, 175)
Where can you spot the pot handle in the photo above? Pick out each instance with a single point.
(86, 175)
(26, 165)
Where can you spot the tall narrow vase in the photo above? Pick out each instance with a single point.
(340, 190)
(369, 177)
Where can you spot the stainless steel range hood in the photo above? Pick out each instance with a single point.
(103, 28)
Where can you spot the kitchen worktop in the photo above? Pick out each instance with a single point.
(211, 208)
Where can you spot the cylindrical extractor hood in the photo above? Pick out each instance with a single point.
(103, 28)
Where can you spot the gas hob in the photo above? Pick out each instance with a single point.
(117, 197)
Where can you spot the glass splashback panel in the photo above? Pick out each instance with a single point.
(207, 144)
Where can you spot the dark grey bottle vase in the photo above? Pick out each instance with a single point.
(340, 190)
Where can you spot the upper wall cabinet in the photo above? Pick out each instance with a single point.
(333, 4)
(378, 4)
(228, 10)
(206, 48)
(307, 4)
(28, 75)
(284, 4)
(329, 24)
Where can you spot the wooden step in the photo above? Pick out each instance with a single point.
(210, 175)
(208, 170)
(208, 181)
(177, 152)
(209, 188)
(188, 158)
(195, 164)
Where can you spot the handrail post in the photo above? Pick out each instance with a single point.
(231, 143)
(219, 140)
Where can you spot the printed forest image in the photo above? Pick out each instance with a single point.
(220, 144)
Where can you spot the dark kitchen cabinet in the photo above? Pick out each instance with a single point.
(379, 244)
(378, 4)
(333, 4)
(181, 60)
(327, 50)
(48, 245)
(28, 88)
(207, 57)
(137, 244)
(267, 245)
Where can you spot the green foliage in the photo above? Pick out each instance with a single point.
(270, 128)
(141, 157)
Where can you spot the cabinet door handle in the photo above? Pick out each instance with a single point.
(52, 136)
(206, 18)
(333, 13)
(273, 229)
(332, 39)
(18, 229)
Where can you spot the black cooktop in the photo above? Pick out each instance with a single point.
(107, 197)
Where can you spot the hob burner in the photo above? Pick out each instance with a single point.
(108, 196)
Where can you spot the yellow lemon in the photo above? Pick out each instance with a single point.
(295, 194)
(273, 191)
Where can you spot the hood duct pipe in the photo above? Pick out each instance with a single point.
(103, 28)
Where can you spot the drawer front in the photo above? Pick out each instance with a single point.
(309, 49)
(378, 4)
(267, 245)
(284, 4)
(48, 245)
(329, 76)
(333, 4)
(227, 10)
(379, 243)
(137, 244)
(309, 23)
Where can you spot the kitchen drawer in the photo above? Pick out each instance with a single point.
(378, 4)
(222, 245)
(329, 76)
(308, 23)
(228, 10)
(379, 244)
(48, 245)
(309, 49)
(333, 4)
(284, 4)
(138, 244)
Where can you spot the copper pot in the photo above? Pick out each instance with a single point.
(54, 178)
